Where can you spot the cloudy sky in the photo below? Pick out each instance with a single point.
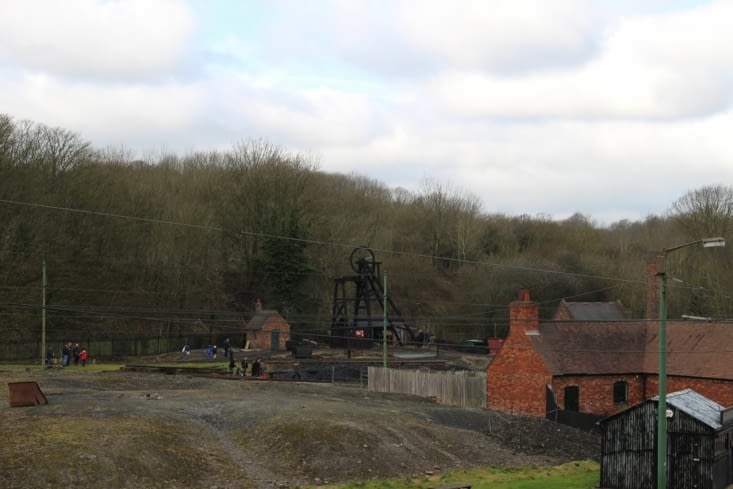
(610, 108)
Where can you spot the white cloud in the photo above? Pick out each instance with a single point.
(644, 70)
(126, 39)
(517, 36)
(134, 115)
(322, 117)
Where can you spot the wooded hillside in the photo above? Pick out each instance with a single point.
(188, 242)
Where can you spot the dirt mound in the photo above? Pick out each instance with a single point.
(125, 430)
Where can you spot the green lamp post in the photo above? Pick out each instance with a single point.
(662, 404)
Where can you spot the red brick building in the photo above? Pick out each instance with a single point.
(267, 330)
(602, 367)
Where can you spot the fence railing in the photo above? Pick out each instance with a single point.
(460, 388)
(104, 349)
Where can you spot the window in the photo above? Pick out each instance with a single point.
(572, 398)
(620, 392)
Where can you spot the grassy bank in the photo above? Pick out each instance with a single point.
(573, 475)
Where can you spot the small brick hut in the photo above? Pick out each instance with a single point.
(267, 330)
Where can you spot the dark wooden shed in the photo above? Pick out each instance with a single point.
(699, 438)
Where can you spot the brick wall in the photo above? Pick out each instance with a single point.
(517, 376)
(596, 392)
(720, 391)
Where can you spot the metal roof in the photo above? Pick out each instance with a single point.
(696, 405)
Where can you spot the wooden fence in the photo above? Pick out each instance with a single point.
(460, 388)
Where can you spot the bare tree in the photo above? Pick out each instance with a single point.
(705, 212)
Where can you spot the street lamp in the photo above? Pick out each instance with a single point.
(662, 405)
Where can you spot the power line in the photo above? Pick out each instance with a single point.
(311, 241)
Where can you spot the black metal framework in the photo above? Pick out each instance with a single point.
(358, 313)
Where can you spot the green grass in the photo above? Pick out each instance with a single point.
(573, 475)
(34, 367)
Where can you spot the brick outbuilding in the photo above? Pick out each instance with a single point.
(267, 330)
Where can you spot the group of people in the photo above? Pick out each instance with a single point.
(69, 351)
(241, 368)
(257, 368)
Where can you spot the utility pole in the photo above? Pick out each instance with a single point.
(384, 324)
(43, 316)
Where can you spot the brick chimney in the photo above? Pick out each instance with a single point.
(523, 316)
(258, 305)
(517, 377)
(654, 265)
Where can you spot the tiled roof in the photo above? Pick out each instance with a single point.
(696, 349)
(592, 348)
(595, 311)
(260, 318)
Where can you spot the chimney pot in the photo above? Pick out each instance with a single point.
(524, 295)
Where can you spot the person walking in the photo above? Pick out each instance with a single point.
(49, 357)
(76, 351)
(83, 357)
(66, 353)
(186, 350)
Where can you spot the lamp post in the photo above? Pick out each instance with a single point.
(662, 404)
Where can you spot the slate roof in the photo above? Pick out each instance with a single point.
(696, 349)
(595, 311)
(592, 348)
(260, 318)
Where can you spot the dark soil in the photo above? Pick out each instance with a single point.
(138, 430)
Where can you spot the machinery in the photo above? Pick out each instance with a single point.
(358, 314)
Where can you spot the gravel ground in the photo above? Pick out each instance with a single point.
(127, 429)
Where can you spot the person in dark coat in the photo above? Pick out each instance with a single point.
(256, 368)
(243, 370)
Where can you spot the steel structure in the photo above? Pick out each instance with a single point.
(358, 314)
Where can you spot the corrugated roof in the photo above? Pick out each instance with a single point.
(696, 405)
